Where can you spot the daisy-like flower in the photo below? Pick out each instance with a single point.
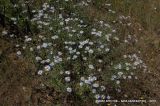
(69, 89)
(19, 53)
(103, 88)
(99, 70)
(103, 96)
(93, 90)
(47, 60)
(107, 49)
(124, 77)
(38, 58)
(12, 35)
(67, 72)
(40, 72)
(82, 79)
(97, 96)
(54, 37)
(90, 51)
(74, 57)
(44, 45)
(108, 97)
(117, 82)
(91, 66)
(28, 39)
(31, 49)
(81, 32)
(87, 82)
(95, 85)
(67, 79)
(47, 68)
(52, 64)
(84, 58)
(4, 32)
(61, 72)
(100, 61)
(129, 77)
(136, 77)
(120, 73)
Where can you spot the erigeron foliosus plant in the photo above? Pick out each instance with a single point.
(77, 55)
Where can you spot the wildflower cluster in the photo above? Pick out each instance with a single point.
(82, 52)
